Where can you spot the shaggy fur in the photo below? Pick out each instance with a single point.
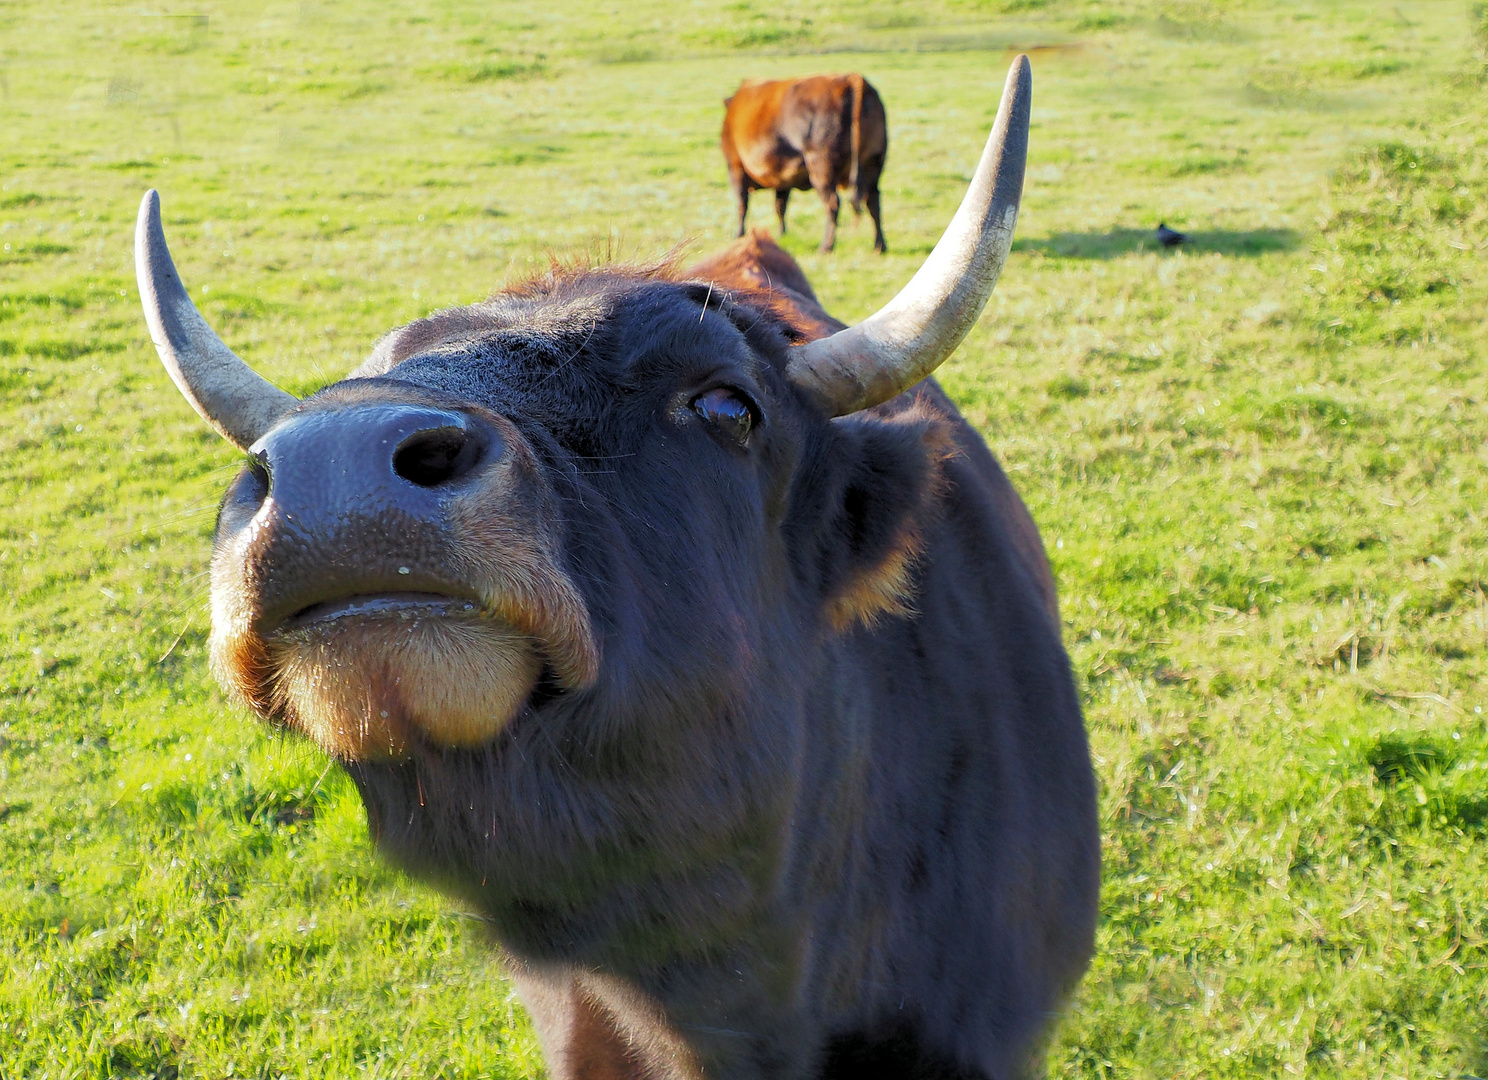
(803, 790)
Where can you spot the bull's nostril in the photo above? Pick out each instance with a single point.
(258, 467)
(435, 457)
(254, 485)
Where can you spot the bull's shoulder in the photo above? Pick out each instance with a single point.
(760, 271)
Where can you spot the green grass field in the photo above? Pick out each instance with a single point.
(1258, 462)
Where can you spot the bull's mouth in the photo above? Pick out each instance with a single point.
(374, 663)
(402, 605)
(370, 675)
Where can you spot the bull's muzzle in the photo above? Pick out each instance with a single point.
(385, 573)
(355, 503)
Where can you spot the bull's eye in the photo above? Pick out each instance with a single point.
(726, 410)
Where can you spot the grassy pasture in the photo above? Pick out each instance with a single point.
(1258, 462)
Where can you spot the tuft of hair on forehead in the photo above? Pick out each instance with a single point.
(598, 266)
(754, 274)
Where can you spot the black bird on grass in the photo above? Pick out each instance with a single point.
(1170, 237)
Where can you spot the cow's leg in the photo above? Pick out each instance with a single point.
(868, 174)
(833, 204)
(741, 189)
(878, 237)
(782, 196)
(823, 173)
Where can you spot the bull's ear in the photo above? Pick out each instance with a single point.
(877, 509)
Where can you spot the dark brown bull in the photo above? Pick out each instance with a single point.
(691, 637)
(820, 133)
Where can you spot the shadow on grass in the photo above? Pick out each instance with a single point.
(1119, 242)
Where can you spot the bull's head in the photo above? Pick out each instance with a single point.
(402, 561)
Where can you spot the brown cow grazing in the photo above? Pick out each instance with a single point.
(819, 133)
(695, 639)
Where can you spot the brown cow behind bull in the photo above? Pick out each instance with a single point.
(820, 133)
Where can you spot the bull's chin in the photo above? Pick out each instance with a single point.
(368, 676)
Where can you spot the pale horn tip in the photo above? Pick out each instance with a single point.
(905, 340)
(224, 391)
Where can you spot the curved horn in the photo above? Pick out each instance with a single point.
(240, 403)
(908, 337)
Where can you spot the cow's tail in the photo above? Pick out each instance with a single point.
(857, 140)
